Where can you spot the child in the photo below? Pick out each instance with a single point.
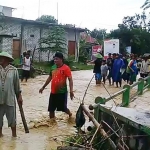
(104, 70)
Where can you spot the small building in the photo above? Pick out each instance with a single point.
(27, 33)
(7, 11)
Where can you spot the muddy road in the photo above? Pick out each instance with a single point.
(44, 134)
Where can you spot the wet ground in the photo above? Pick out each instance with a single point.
(45, 135)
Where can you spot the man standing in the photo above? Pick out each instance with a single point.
(144, 70)
(109, 64)
(58, 96)
(26, 67)
(116, 71)
(9, 91)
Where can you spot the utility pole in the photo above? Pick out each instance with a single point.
(39, 8)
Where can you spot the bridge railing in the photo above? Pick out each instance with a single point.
(127, 94)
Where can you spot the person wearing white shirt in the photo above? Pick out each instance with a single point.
(26, 67)
(145, 65)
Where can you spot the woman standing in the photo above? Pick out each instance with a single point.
(116, 72)
(97, 67)
(133, 69)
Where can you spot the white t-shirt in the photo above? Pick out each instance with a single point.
(26, 64)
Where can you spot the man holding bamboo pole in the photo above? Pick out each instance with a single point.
(9, 91)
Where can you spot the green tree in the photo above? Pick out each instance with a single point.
(99, 35)
(146, 4)
(54, 42)
(47, 18)
(134, 32)
(83, 55)
(136, 21)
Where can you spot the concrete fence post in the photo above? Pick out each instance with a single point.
(126, 96)
(140, 86)
(148, 82)
(98, 100)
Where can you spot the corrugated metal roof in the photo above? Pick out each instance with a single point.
(32, 22)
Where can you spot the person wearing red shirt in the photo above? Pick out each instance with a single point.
(58, 77)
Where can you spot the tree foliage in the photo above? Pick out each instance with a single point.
(134, 31)
(54, 42)
(47, 18)
(83, 55)
(136, 21)
(146, 4)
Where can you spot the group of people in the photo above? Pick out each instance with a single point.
(10, 88)
(114, 68)
(117, 67)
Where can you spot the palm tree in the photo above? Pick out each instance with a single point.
(146, 5)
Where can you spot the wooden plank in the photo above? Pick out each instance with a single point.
(16, 48)
(71, 48)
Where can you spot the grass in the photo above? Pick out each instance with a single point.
(74, 66)
(80, 66)
(46, 65)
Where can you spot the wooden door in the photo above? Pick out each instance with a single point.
(16, 48)
(71, 48)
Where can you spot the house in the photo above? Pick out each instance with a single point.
(7, 11)
(21, 35)
(88, 38)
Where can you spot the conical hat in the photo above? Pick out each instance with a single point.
(5, 54)
(98, 55)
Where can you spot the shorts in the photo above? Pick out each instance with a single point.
(58, 102)
(10, 112)
(97, 76)
(25, 74)
(143, 75)
(132, 77)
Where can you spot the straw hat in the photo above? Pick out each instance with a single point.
(98, 55)
(5, 54)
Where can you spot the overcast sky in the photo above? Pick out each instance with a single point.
(84, 13)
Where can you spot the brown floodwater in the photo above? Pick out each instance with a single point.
(45, 135)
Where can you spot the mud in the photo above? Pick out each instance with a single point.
(46, 135)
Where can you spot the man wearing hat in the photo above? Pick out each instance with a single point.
(9, 91)
(58, 96)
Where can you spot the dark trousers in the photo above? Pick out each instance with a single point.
(25, 75)
(143, 75)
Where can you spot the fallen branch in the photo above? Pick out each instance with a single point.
(77, 145)
(94, 135)
(101, 130)
(117, 136)
(69, 148)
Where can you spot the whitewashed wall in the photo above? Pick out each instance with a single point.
(10, 28)
(30, 42)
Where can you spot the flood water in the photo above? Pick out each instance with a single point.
(43, 134)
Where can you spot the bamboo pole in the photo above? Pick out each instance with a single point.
(23, 119)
